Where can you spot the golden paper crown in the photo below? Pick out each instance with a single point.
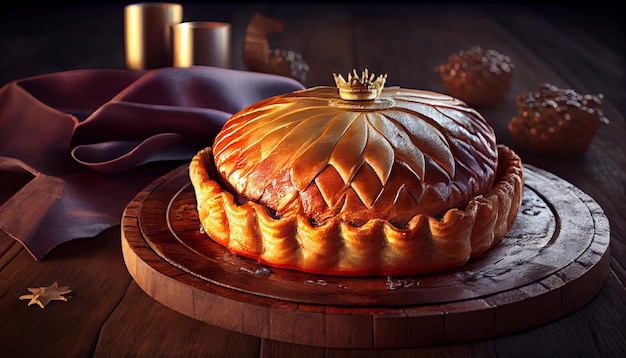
(360, 88)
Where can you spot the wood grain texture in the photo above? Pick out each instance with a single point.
(89, 297)
(553, 261)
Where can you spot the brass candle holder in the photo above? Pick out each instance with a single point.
(204, 43)
(148, 34)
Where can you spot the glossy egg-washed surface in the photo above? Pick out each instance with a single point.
(309, 152)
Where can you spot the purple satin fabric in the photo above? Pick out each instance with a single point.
(92, 139)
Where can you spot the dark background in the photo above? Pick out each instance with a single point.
(44, 38)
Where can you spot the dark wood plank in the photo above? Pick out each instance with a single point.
(584, 48)
(271, 349)
(578, 334)
(320, 33)
(91, 268)
(153, 330)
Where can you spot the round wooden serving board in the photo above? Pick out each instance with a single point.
(553, 261)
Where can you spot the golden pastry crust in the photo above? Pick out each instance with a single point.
(400, 183)
(313, 154)
(480, 77)
(377, 247)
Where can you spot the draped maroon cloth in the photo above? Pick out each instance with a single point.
(84, 142)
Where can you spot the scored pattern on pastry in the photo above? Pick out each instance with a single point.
(427, 244)
(408, 152)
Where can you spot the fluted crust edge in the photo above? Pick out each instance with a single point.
(377, 248)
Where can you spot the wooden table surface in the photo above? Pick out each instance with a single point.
(109, 315)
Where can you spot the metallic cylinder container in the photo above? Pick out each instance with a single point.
(204, 43)
(148, 34)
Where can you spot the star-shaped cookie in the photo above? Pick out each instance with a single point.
(43, 295)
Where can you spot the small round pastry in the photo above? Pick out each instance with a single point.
(479, 77)
(358, 180)
(556, 120)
